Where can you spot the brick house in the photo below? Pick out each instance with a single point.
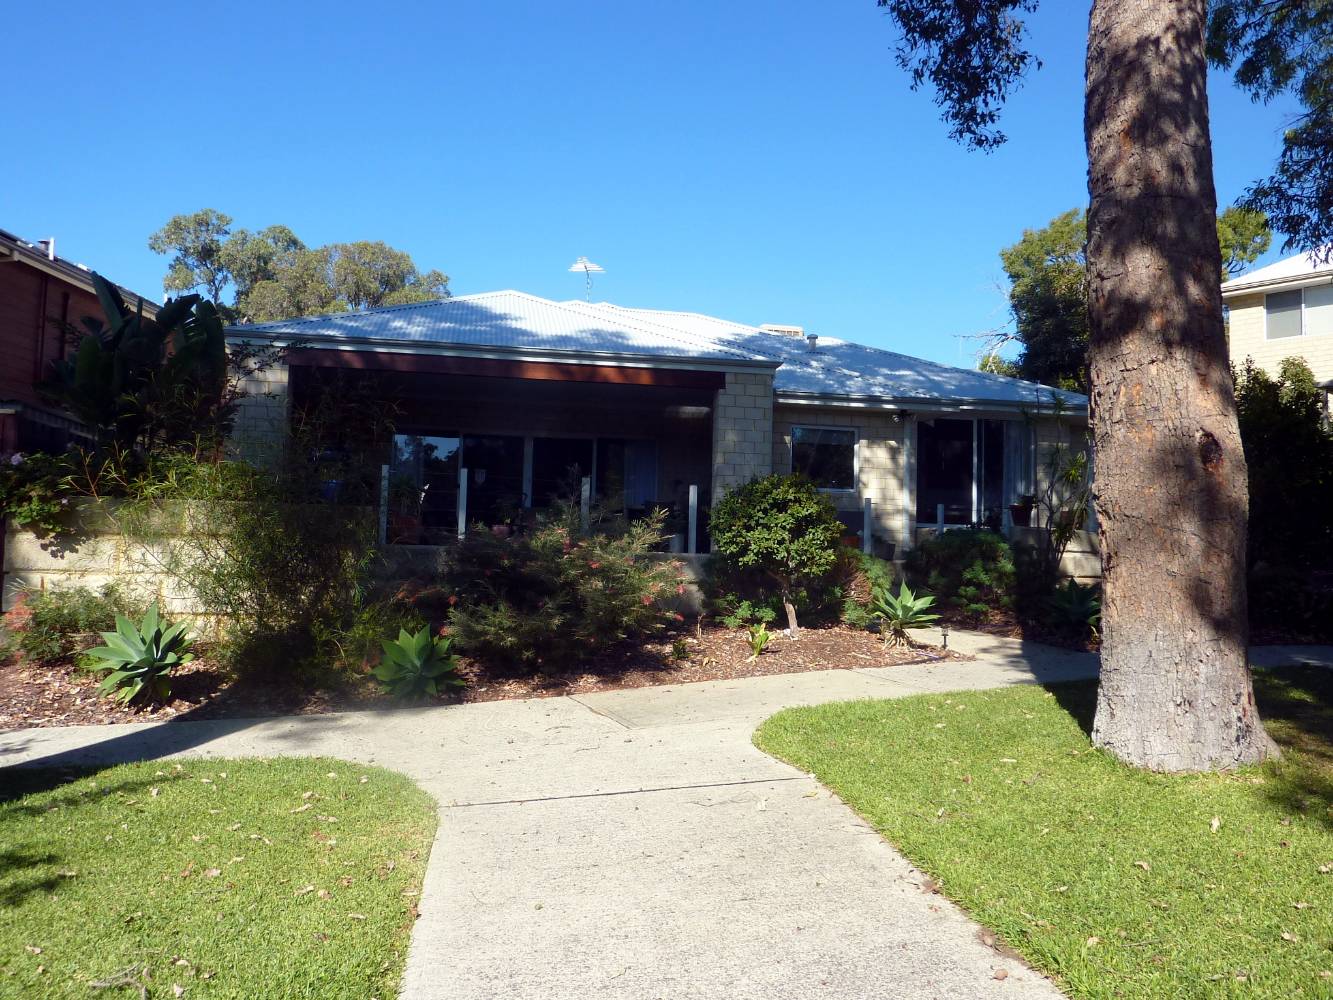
(40, 295)
(501, 395)
(1282, 311)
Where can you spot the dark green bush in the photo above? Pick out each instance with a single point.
(56, 624)
(551, 597)
(969, 569)
(1291, 604)
(777, 535)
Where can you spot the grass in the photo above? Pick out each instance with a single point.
(228, 879)
(1118, 883)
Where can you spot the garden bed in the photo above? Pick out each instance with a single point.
(63, 695)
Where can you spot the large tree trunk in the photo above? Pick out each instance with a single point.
(1170, 474)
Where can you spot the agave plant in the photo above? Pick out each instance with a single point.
(417, 664)
(901, 612)
(139, 657)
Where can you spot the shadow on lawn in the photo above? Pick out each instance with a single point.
(1296, 704)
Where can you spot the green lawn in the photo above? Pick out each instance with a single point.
(239, 879)
(1118, 883)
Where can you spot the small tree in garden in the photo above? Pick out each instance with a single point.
(783, 529)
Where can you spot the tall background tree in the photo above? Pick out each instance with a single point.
(1175, 691)
(271, 274)
(1048, 294)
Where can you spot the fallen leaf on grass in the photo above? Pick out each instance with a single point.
(357, 916)
(1094, 940)
(1300, 906)
(1215, 824)
(1144, 865)
(301, 809)
(32, 949)
(177, 990)
(305, 890)
(212, 872)
(1288, 936)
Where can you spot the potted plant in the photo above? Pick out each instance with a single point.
(1021, 512)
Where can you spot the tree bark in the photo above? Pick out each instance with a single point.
(1171, 488)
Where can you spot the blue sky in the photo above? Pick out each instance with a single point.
(764, 163)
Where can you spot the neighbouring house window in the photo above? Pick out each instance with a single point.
(826, 455)
(423, 488)
(494, 464)
(558, 468)
(627, 473)
(1304, 312)
(1284, 314)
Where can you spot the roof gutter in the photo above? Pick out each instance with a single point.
(71, 273)
(924, 404)
(1280, 285)
(383, 346)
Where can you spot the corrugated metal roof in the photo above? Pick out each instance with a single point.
(1302, 265)
(517, 321)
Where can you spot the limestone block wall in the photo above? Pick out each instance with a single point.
(93, 560)
(742, 430)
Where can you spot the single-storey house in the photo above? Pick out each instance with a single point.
(524, 392)
(1284, 310)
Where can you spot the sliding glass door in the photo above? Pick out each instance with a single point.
(969, 470)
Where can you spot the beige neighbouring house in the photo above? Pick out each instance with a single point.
(1284, 310)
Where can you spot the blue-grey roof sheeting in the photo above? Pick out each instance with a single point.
(515, 321)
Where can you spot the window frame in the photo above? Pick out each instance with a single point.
(1301, 332)
(1304, 332)
(855, 432)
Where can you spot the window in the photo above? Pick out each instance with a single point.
(494, 466)
(826, 455)
(423, 490)
(1304, 312)
(558, 468)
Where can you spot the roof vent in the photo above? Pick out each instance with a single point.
(783, 331)
(49, 245)
(811, 339)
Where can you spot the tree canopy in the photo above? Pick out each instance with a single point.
(1048, 275)
(273, 275)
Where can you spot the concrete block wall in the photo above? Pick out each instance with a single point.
(880, 461)
(742, 430)
(262, 416)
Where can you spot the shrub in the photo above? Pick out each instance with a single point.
(551, 597)
(285, 569)
(138, 659)
(57, 623)
(971, 570)
(1075, 608)
(901, 612)
(868, 574)
(782, 531)
(416, 665)
(738, 612)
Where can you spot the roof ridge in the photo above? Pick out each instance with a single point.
(659, 328)
(366, 312)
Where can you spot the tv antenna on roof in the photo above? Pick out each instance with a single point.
(589, 269)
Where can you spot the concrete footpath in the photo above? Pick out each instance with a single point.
(635, 844)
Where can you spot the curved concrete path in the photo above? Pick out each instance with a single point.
(635, 843)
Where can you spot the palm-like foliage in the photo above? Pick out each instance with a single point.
(418, 664)
(899, 613)
(139, 657)
(138, 379)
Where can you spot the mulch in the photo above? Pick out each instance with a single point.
(33, 695)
